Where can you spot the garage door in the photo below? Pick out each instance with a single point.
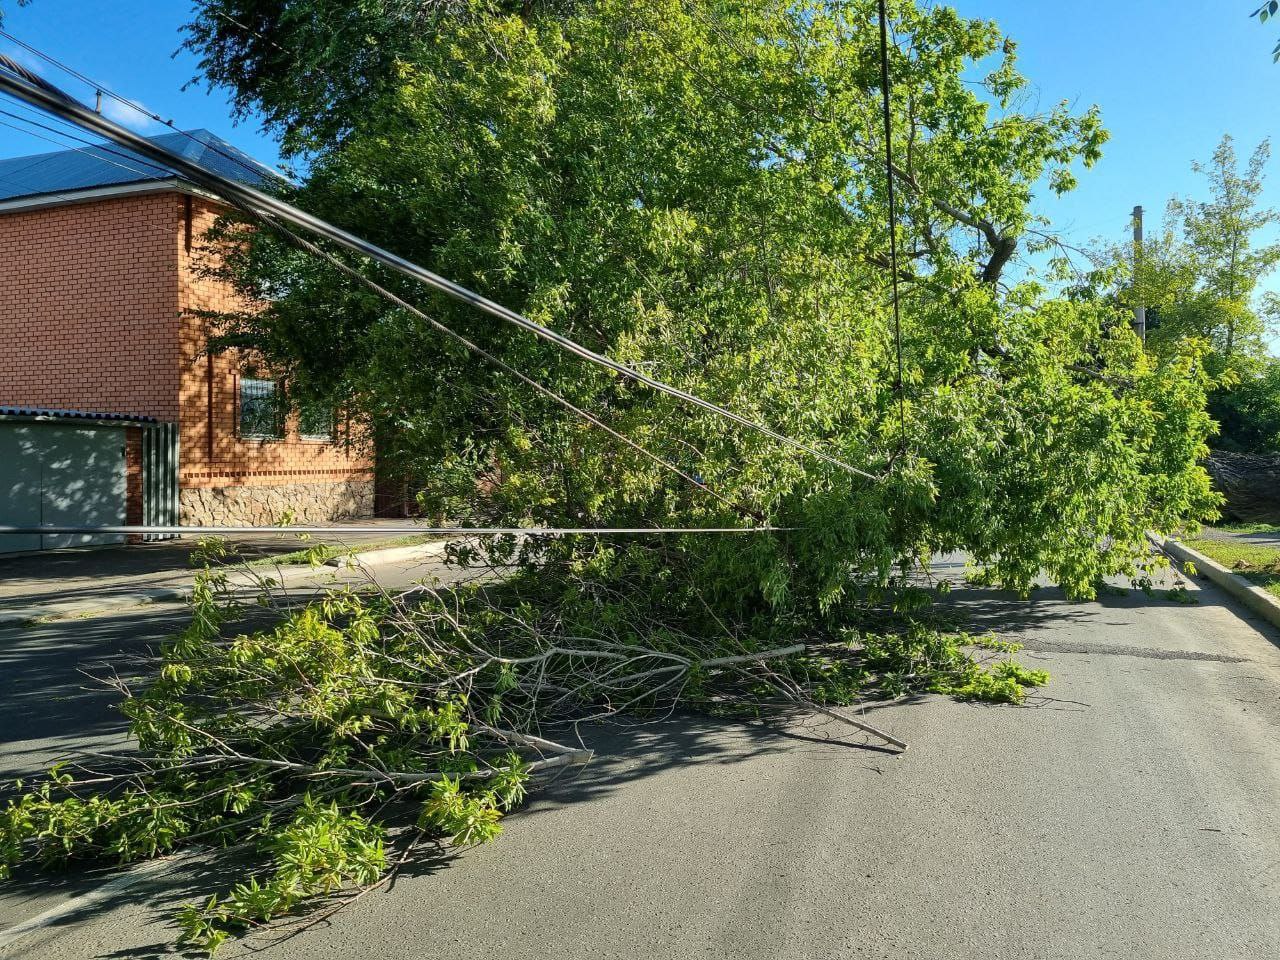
(54, 474)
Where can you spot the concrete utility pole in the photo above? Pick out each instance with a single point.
(1139, 308)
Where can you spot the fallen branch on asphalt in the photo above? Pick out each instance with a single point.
(319, 738)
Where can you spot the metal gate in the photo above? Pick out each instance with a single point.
(19, 486)
(160, 478)
(61, 474)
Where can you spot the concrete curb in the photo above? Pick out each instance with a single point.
(67, 609)
(285, 577)
(372, 558)
(1251, 595)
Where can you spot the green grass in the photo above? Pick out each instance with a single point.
(327, 551)
(320, 553)
(1257, 564)
(1248, 528)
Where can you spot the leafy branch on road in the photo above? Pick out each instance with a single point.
(315, 745)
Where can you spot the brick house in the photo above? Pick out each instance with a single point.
(100, 279)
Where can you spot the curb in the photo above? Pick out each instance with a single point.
(26, 616)
(370, 558)
(1251, 595)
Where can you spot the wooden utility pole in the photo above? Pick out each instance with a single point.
(1139, 307)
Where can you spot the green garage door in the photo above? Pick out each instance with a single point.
(57, 474)
(19, 485)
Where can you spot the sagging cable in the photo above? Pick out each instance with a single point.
(139, 530)
(18, 83)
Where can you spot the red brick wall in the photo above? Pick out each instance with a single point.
(89, 307)
(94, 301)
(209, 388)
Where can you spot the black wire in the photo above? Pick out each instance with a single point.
(386, 294)
(14, 67)
(469, 296)
(75, 131)
(102, 147)
(60, 194)
(887, 89)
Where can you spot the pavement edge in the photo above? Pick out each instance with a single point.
(417, 551)
(38, 613)
(1251, 595)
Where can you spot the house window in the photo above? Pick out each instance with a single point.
(315, 422)
(261, 410)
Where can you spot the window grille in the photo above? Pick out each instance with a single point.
(315, 422)
(261, 410)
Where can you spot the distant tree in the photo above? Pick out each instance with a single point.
(1199, 277)
(1222, 259)
(1249, 414)
(1200, 274)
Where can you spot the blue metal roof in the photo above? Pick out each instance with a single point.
(89, 168)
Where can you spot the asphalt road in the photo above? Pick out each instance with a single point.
(1131, 813)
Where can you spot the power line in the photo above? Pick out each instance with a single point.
(260, 204)
(387, 294)
(501, 364)
(9, 178)
(249, 30)
(134, 105)
(65, 127)
(88, 143)
(400, 529)
(718, 92)
(887, 90)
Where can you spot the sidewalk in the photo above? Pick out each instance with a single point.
(1262, 538)
(80, 581)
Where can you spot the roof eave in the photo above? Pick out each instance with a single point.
(62, 198)
(20, 414)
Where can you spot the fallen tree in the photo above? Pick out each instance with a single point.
(695, 189)
(699, 189)
(329, 746)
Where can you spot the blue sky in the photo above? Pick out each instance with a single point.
(1172, 76)
(125, 45)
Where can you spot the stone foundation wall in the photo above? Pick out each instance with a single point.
(260, 506)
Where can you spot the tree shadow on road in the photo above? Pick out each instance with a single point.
(46, 709)
(50, 702)
(625, 752)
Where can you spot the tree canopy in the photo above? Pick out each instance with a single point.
(698, 188)
(1200, 279)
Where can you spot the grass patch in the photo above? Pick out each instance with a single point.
(1258, 564)
(1248, 528)
(317, 554)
